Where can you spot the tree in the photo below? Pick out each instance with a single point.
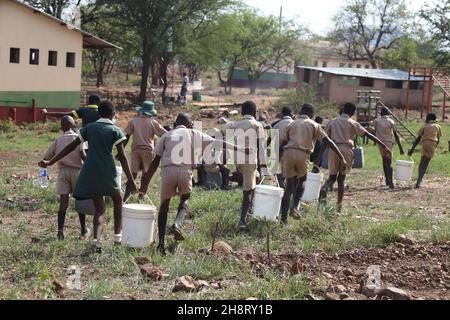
(55, 8)
(152, 19)
(438, 19)
(406, 53)
(365, 28)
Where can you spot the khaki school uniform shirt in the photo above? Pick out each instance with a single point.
(303, 133)
(73, 160)
(282, 127)
(343, 130)
(181, 146)
(385, 128)
(144, 130)
(431, 132)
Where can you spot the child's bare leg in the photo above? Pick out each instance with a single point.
(328, 184)
(423, 167)
(118, 203)
(99, 204)
(299, 193)
(341, 190)
(82, 218)
(162, 224)
(63, 205)
(127, 190)
(285, 204)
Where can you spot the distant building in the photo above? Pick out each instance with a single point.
(340, 85)
(271, 79)
(324, 55)
(40, 60)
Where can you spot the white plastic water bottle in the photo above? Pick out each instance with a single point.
(42, 181)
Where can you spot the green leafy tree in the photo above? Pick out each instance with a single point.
(407, 53)
(56, 8)
(366, 28)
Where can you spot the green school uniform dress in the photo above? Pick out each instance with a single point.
(98, 177)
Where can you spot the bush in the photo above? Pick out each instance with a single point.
(7, 126)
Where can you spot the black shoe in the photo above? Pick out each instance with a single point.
(391, 186)
(161, 250)
(176, 232)
(284, 223)
(60, 236)
(225, 188)
(243, 227)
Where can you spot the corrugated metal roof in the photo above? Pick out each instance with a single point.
(89, 41)
(384, 74)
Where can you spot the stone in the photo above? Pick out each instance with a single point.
(297, 268)
(360, 297)
(374, 276)
(200, 284)
(332, 296)
(403, 239)
(73, 281)
(370, 290)
(57, 287)
(251, 299)
(184, 284)
(141, 261)
(151, 272)
(348, 272)
(344, 296)
(349, 299)
(215, 286)
(395, 294)
(222, 247)
(327, 275)
(339, 289)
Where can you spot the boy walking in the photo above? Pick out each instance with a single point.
(175, 152)
(253, 132)
(144, 128)
(343, 131)
(69, 169)
(298, 144)
(385, 130)
(429, 135)
(98, 177)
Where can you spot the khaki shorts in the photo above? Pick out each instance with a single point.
(335, 164)
(175, 181)
(295, 163)
(141, 160)
(67, 180)
(383, 152)
(429, 149)
(249, 174)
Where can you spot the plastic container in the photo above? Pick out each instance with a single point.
(197, 85)
(405, 170)
(42, 181)
(268, 202)
(312, 187)
(138, 225)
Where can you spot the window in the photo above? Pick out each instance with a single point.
(358, 66)
(307, 76)
(341, 65)
(14, 55)
(34, 56)
(367, 66)
(366, 82)
(350, 65)
(70, 60)
(324, 65)
(52, 58)
(416, 85)
(393, 84)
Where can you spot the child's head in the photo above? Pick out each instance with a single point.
(184, 119)
(307, 110)
(249, 108)
(286, 112)
(106, 109)
(67, 123)
(349, 109)
(431, 117)
(94, 100)
(319, 120)
(384, 112)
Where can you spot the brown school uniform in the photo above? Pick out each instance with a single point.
(384, 130)
(178, 149)
(343, 131)
(144, 129)
(282, 127)
(247, 165)
(430, 133)
(301, 136)
(69, 167)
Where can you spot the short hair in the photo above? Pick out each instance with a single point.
(183, 119)
(385, 111)
(349, 109)
(94, 99)
(307, 109)
(431, 117)
(67, 122)
(286, 111)
(249, 108)
(106, 109)
(318, 120)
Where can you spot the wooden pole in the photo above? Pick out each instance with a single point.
(408, 94)
(430, 92)
(424, 87)
(33, 110)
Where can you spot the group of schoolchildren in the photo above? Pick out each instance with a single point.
(87, 167)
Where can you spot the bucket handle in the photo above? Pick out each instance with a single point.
(272, 176)
(318, 167)
(145, 197)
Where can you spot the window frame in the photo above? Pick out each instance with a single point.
(68, 59)
(12, 55)
(53, 58)
(34, 61)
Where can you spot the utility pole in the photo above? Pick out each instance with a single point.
(279, 37)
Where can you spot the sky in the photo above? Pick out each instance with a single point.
(314, 13)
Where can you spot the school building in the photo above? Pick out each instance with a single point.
(340, 85)
(40, 61)
(271, 79)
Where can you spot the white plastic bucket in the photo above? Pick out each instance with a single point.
(405, 170)
(312, 187)
(119, 171)
(197, 85)
(268, 202)
(138, 225)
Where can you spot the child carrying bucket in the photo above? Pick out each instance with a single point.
(297, 146)
(97, 178)
(69, 169)
(429, 135)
